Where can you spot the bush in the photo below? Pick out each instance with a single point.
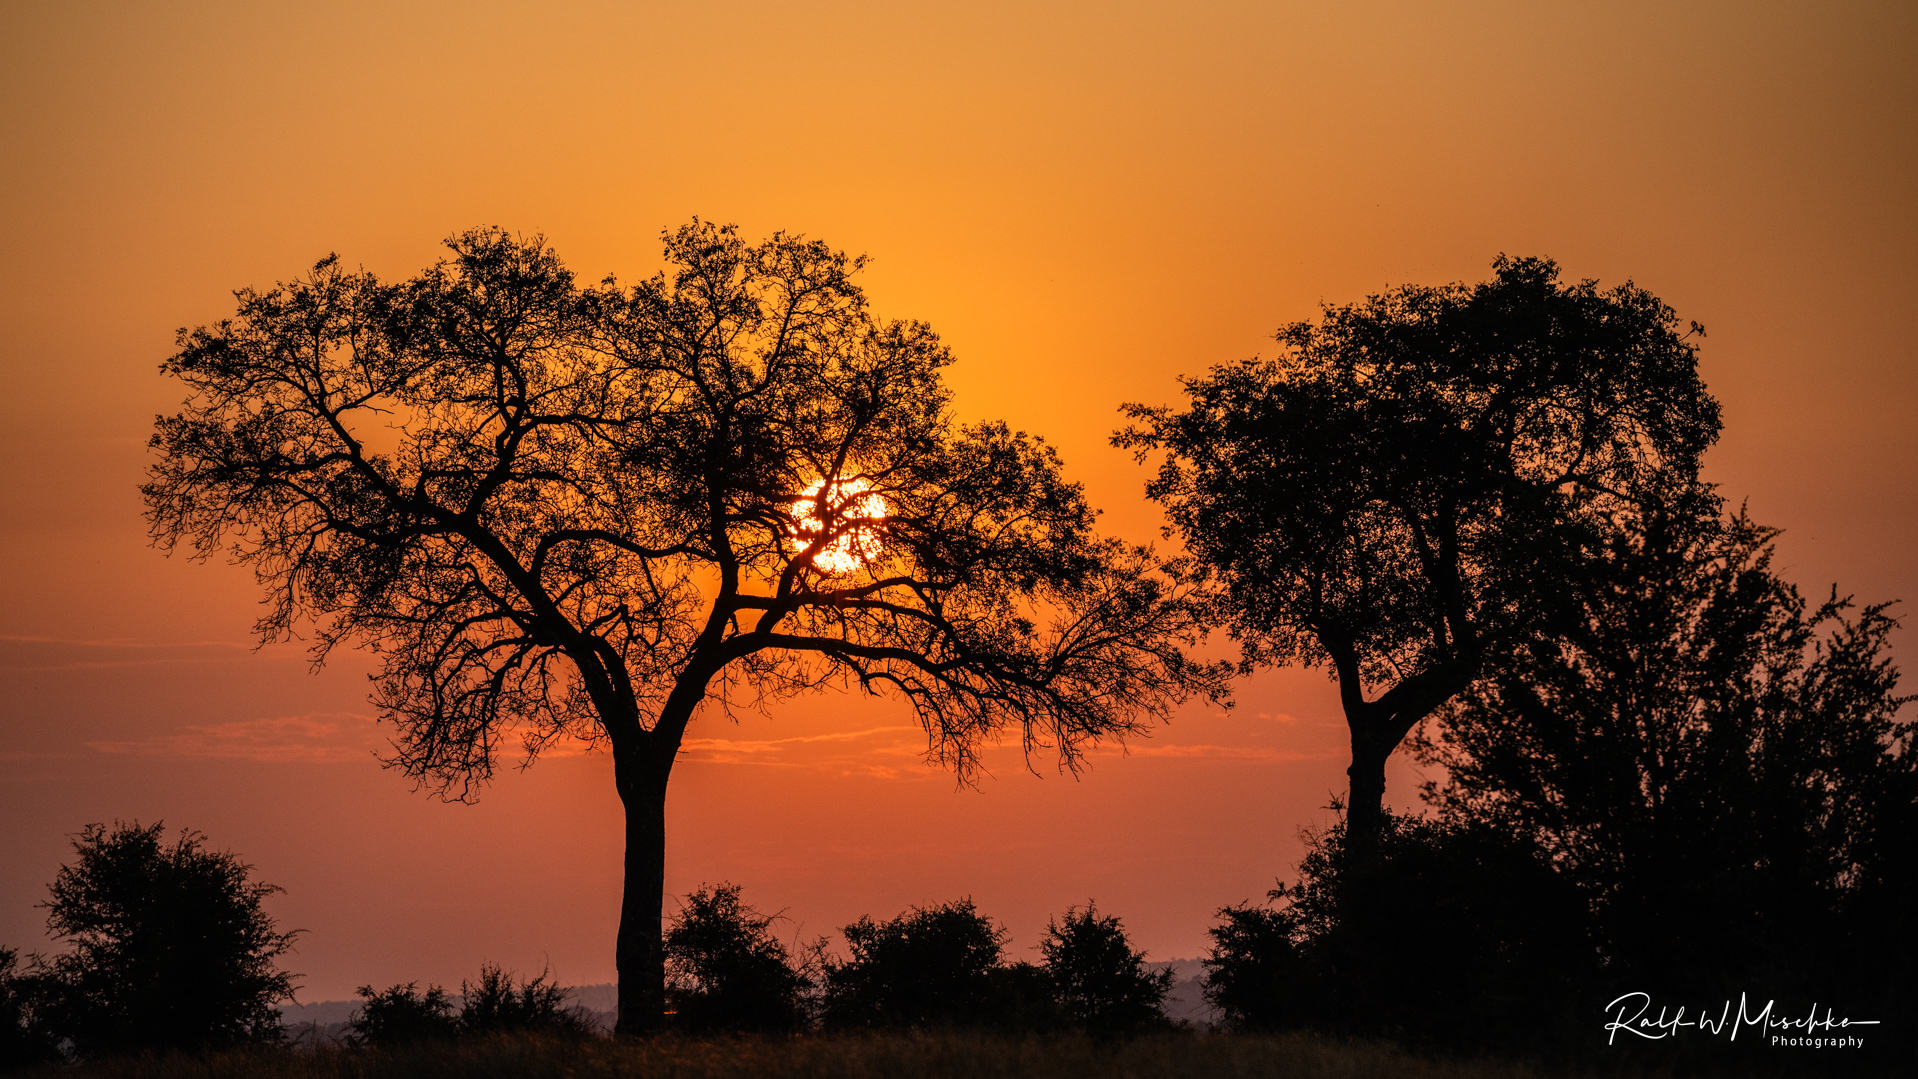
(1456, 935)
(401, 1015)
(493, 1005)
(1100, 983)
(726, 971)
(24, 1038)
(930, 966)
(170, 946)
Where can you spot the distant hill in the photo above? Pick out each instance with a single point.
(1186, 1001)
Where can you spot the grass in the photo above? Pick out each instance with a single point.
(897, 1056)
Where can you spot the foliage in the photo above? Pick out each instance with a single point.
(401, 1015)
(726, 971)
(170, 946)
(1401, 489)
(1101, 984)
(1464, 936)
(24, 1037)
(1720, 767)
(930, 966)
(578, 513)
(1253, 972)
(495, 1005)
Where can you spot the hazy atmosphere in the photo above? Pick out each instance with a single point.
(1084, 201)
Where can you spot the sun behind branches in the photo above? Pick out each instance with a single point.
(855, 508)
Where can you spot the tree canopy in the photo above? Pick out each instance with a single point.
(170, 945)
(1720, 766)
(1408, 484)
(556, 511)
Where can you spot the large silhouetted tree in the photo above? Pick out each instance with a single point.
(566, 512)
(1410, 485)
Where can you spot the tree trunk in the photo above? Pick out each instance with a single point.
(1365, 797)
(640, 953)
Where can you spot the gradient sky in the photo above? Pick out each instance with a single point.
(1086, 200)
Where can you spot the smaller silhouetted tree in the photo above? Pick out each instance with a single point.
(1254, 968)
(726, 970)
(1100, 982)
(401, 1015)
(930, 966)
(171, 946)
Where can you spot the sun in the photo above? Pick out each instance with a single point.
(857, 508)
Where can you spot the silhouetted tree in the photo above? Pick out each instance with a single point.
(930, 966)
(1718, 766)
(580, 513)
(1253, 974)
(726, 971)
(1400, 494)
(1101, 984)
(402, 1015)
(170, 946)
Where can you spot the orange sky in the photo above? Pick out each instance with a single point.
(1085, 200)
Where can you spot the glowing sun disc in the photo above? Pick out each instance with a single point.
(852, 501)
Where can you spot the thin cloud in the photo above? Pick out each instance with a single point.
(773, 752)
(315, 738)
(60, 654)
(1233, 753)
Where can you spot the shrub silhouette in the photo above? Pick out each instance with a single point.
(24, 1038)
(401, 1015)
(1254, 968)
(930, 966)
(1100, 983)
(726, 971)
(1461, 934)
(494, 1005)
(171, 947)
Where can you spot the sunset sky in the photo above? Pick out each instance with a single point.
(1085, 200)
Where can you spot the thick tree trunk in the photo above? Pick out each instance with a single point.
(640, 955)
(1365, 795)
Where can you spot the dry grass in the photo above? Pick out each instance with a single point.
(905, 1056)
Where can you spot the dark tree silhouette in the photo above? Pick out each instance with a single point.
(1720, 767)
(170, 946)
(1475, 941)
(930, 966)
(726, 970)
(24, 1035)
(1404, 490)
(561, 512)
(1102, 985)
